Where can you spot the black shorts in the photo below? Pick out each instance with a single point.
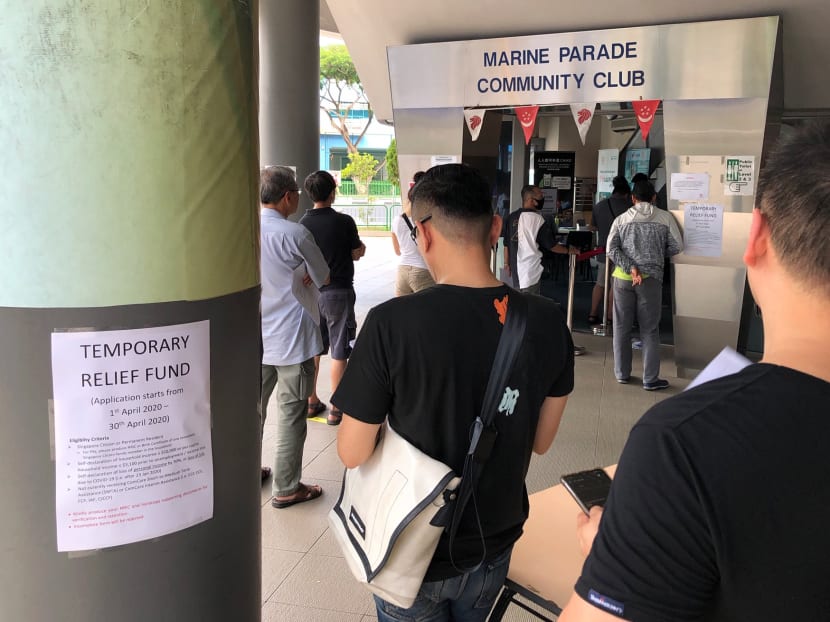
(337, 322)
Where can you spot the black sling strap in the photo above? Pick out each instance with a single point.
(483, 433)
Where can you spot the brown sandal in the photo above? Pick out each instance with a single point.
(304, 493)
(314, 409)
(335, 417)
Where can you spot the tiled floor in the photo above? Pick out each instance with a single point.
(304, 577)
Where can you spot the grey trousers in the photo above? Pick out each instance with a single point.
(293, 389)
(642, 302)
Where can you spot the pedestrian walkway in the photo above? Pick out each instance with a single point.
(304, 577)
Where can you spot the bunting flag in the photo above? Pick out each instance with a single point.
(475, 119)
(527, 117)
(645, 109)
(583, 115)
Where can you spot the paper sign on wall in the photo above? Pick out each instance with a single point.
(690, 186)
(438, 160)
(739, 176)
(133, 454)
(608, 163)
(703, 229)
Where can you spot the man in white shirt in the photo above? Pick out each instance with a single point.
(526, 233)
(290, 335)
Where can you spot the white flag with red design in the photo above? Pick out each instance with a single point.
(527, 117)
(583, 115)
(645, 109)
(474, 119)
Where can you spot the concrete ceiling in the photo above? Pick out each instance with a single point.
(327, 22)
(369, 26)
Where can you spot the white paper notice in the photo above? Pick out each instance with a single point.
(438, 160)
(690, 186)
(739, 176)
(608, 164)
(703, 229)
(133, 456)
(724, 364)
(306, 295)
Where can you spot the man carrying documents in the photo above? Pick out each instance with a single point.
(720, 505)
(291, 264)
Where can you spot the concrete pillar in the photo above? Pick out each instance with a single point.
(128, 200)
(519, 167)
(289, 86)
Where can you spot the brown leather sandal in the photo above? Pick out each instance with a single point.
(335, 417)
(304, 493)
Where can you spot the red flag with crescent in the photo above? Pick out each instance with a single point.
(527, 117)
(645, 109)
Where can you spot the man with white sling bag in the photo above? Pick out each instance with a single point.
(424, 361)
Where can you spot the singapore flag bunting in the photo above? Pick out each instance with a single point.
(583, 115)
(527, 117)
(645, 109)
(475, 119)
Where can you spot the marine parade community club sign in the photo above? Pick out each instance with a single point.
(590, 67)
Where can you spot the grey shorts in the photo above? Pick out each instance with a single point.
(337, 322)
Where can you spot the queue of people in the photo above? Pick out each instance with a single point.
(673, 541)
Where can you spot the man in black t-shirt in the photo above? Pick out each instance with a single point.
(336, 235)
(424, 361)
(603, 214)
(720, 505)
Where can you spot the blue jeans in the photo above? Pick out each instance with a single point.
(466, 598)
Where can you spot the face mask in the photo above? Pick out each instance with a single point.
(540, 202)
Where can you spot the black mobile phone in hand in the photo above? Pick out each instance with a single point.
(588, 488)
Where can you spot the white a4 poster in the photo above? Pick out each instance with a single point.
(133, 455)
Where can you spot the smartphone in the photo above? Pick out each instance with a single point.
(588, 488)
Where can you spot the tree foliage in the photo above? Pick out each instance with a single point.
(361, 168)
(392, 170)
(341, 92)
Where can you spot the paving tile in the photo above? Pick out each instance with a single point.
(322, 582)
(298, 527)
(280, 612)
(325, 466)
(276, 566)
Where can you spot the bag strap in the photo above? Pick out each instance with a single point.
(483, 433)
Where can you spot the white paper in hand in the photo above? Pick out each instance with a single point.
(726, 363)
(306, 295)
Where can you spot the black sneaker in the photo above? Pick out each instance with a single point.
(625, 380)
(656, 385)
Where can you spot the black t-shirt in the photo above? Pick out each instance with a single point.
(605, 212)
(425, 360)
(336, 235)
(720, 507)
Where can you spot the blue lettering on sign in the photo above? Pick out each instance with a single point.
(511, 84)
(589, 52)
(537, 56)
(619, 79)
(586, 52)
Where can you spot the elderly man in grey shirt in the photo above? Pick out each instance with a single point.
(290, 335)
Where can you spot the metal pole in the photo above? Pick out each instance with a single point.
(602, 330)
(578, 350)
